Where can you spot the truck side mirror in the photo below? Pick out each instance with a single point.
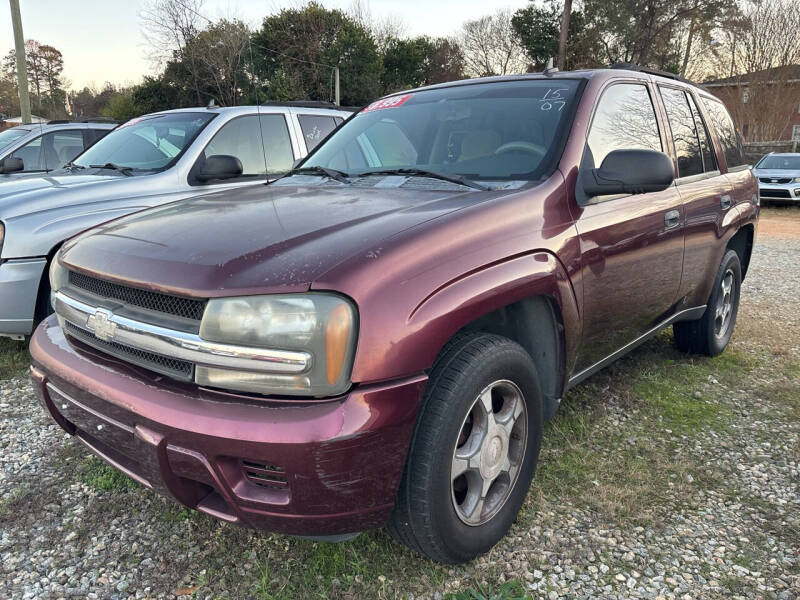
(220, 166)
(11, 164)
(629, 172)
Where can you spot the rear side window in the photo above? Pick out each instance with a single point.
(726, 133)
(706, 147)
(624, 120)
(684, 132)
(315, 128)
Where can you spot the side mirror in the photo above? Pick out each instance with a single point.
(12, 164)
(629, 172)
(220, 166)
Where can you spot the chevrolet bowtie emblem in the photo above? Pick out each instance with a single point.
(101, 325)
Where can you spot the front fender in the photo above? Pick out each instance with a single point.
(410, 344)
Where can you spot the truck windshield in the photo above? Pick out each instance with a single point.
(9, 135)
(147, 143)
(496, 131)
(776, 161)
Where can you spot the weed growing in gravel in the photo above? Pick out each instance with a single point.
(104, 478)
(510, 590)
(14, 358)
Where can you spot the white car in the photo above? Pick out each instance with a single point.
(778, 176)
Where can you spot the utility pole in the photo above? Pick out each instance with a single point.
(336, 86)
(562, 38)
(22, 69)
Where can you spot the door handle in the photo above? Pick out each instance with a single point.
(671, 219)
(725, 202)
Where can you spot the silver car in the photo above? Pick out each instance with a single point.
(151, 160)
(36, 149)
(778, 176)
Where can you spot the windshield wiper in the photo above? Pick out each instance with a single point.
(71, 165)
(317, 170)
(451, 177)
(109, 165)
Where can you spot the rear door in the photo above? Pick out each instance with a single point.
(705, 192)
(632, 245)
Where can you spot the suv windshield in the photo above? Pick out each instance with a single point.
(490, 131)
(147, 143)
(9, 135)
(789, 163)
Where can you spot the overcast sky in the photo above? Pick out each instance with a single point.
(101, 39)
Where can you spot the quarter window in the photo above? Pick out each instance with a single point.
(722, 124)
(624, 120)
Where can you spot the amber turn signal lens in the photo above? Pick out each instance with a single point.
(337, 335)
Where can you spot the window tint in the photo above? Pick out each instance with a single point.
(706, 148)
(624, 120)
(315, 129)
(684, 133)
(277, 144)
(50, 151)
(726, 132)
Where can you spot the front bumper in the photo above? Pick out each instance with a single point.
(780, 192)
(19, 286)
(304, 468)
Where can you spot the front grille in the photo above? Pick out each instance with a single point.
(179, 369)
(766, 193)
(775, 179)
(188, 308)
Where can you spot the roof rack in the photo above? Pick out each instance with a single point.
(305, 104)
(634, 67)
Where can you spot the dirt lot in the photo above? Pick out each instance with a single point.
(665, 476)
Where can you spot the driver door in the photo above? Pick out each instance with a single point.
(632, 245)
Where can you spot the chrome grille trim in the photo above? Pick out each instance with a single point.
(179, 345)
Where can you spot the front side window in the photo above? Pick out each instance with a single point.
(263, 152)
(624, 120)
(684, 133)
(152, 142)
(31, 155)
(505, 131)
(722, 124)
(315, 128)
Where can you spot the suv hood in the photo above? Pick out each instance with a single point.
(253, 240)
(31, 195)
(777, 173)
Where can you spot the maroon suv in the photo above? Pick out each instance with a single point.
(376, 338)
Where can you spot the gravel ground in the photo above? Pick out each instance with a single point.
(663, 477)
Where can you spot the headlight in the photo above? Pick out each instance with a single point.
(323, 325)
(795, 180)
(59, 276)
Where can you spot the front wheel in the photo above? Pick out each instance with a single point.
(474, 451)
(711, 333)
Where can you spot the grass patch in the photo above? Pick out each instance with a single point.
(511, 590)
(14, 358)
(103, 477)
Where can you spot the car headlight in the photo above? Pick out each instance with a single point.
(322, 325)
(796, 180)
(59, 276)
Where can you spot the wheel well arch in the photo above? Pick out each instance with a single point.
(742, 243)
(44, 283)
(535, 324)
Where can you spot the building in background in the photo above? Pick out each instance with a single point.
(14, 121)
(765, 104)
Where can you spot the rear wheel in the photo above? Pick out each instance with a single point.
(711, 333)
(474, 452)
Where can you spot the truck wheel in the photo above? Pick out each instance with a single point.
(711, 333)
(474, 451)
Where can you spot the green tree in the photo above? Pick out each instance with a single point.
(121, 107)
(298, 46)
(409, 63)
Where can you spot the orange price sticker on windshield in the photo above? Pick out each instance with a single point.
(391, 102)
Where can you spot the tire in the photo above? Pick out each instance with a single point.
(711, 333)
(440, 516)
